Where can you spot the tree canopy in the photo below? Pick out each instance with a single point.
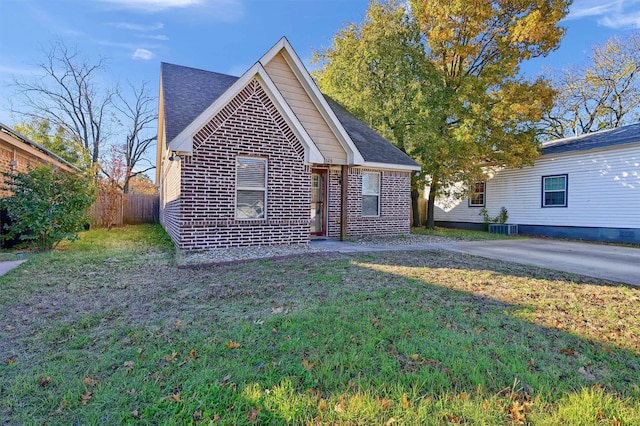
(603, 93)
(469, 106)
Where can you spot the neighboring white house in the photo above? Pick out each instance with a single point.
(585, 187)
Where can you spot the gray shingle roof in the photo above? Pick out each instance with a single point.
(8, 130)
(189, 91)
(602, 139)
(372, 146)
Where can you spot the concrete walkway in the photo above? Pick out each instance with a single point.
(6, 266)
(615, 263)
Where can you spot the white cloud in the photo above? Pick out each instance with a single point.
(631, 20)
(142, 54)
(139, 27)
(160, 37)
(584, 8)
(154, 5)
(616, 14)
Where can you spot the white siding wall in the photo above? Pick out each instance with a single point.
(603, 191)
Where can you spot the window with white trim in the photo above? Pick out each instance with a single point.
(370, 194)
(251, 188)
(477, 198)
(555, 190)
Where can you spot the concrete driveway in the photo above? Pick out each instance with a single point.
(6, 266)
(621, 264)
(613, 263)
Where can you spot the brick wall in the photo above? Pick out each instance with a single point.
(249, 125)
(395, 204)
(22, 163)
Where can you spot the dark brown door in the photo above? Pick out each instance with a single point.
(318, 202)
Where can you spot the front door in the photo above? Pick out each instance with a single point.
(318, 202)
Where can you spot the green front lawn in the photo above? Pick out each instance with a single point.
(109, 331)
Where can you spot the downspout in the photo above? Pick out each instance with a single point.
(14, 161)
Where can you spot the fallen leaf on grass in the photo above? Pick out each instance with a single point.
(452, 418)
(308, 365)
(277, 309)
(10, 360)
(252, 415)
(314, 393)
(135, 414)
(44, 381)
(9, 328)
(175, 397)
(405, 401)
(170, 357)
(338, 408)
(129, 364)
(385, 403)
(131, 392)
(86, 397)
(232, 345)
(90, 381)
(568, 352)
(585, 374)
(322, 405)
(391, 421)
(178, 325)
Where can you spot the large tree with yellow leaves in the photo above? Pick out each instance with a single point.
(472, 107)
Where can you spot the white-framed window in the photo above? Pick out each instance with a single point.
(251, 188)
(555, 190)
(370, 194)
(478, 196)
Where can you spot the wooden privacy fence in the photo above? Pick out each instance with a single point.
(133, 209)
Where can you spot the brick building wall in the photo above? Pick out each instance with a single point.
(20, 164)
(250, 126)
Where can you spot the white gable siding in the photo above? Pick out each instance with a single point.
(297, 98)
(603, 191)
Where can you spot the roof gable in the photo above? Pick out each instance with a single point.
(192, 97)
(183, 141)
(602, 139)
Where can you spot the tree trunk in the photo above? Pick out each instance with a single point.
(433, 190)
(415, 197)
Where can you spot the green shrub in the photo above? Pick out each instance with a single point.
(502, 217)
(47, 206)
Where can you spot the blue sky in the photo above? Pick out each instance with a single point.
(226, 36)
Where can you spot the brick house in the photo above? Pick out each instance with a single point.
(18, 153)
(266, 159)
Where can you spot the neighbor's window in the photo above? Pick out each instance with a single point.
(554, 191)
(478, 196)
(370, 194)
(251, 188)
